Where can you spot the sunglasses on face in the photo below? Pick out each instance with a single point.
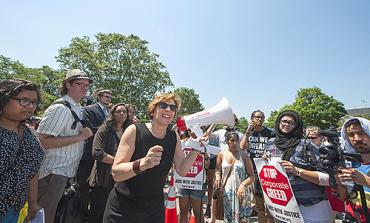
(164, 105)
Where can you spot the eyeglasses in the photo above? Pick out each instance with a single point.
(25, 102)
(287, 122)
(81, 84)
(258, 117)
(164, 105)
(313, 137)
(107, 96)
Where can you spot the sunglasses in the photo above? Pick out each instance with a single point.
(164, 105)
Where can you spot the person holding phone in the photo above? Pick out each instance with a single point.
(254, 142)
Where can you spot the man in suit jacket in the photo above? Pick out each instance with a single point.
(93, 116)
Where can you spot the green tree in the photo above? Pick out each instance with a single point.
(274, 114)
(190, 101)
(316, 108)
(120, 63)
(48, 79)
(242, 124)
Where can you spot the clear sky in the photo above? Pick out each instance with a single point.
(256, 53)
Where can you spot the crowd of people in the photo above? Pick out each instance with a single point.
(119, 165)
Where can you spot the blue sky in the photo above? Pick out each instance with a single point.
(256, 53)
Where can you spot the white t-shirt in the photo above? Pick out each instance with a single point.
(220, 136)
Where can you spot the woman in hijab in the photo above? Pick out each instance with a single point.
(300, 158)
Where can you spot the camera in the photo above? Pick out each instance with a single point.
(333, 155)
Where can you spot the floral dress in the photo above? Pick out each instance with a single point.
(236, 211)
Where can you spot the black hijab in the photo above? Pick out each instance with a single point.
(287, 142)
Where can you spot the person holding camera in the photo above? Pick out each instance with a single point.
(356, 135)
(300, 158)
(318, 138)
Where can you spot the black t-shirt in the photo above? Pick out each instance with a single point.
(257, 145)
(258, 141)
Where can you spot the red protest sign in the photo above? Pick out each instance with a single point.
(197, 165)
(275, 185)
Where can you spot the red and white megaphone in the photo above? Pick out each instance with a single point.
(221, 113)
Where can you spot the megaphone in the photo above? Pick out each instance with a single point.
(221, 113)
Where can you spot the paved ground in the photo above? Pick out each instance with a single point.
(252, 219)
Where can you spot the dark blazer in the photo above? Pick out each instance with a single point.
(105, 142)
(93, 116)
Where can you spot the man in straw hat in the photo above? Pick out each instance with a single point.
(62, 136)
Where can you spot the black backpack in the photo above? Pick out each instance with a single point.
(75, 116)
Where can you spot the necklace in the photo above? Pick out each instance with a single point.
(119, 132)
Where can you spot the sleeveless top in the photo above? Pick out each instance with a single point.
(150, 183)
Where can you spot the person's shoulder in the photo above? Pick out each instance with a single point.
(92, 107)
(57, 106)
(268, 131)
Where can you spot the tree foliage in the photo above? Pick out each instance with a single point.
(190, 101)
(315, 107)
(120, 63)
(242, 124)
(48, 79)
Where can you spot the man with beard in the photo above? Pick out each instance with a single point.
(255, 141)
(356, 135)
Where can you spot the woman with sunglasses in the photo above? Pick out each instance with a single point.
(104, 149)
(20, 152)
(145, 154)
(300, 160)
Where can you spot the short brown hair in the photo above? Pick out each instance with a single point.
(105, 91)
(163, 97)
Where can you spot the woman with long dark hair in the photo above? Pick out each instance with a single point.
(20, 152)
(234, 176)
(105, 146)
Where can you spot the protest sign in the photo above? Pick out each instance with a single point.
(277, 191)
(194, 178)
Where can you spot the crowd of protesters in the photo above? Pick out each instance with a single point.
(119, 165)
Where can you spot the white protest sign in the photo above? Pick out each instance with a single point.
(277, 191)
(194, 178)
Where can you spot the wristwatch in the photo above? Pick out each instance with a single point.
(299, 171)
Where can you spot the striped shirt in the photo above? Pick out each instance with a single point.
(57, 121)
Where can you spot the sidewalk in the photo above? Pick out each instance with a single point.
(205, 200)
